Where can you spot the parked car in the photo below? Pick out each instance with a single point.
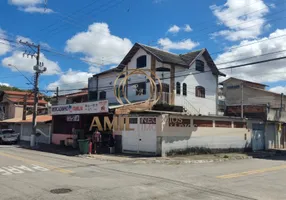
(9, 136)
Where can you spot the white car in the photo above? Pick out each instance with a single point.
(8, 136)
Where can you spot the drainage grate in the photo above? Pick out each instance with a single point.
(60, 191)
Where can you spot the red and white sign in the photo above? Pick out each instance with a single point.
(81, 108)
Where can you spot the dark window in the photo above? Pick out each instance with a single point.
(203, 123)
(93, 95)
(133, 120)
(200, 66)
(120, 92)
(102, 95)
(184, 89)
(141, 61)
(178, 88)
(140, 88)
(200, 92)
(223, 124)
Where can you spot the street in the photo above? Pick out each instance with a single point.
(27, 174)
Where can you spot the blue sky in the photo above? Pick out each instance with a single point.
(101, 32)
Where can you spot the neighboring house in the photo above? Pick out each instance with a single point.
(189, 80)
(221, 102)
(24, 127)
(11, 104)
(76, 97)
(256, 100)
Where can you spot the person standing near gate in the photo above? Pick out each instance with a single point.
(96, 140)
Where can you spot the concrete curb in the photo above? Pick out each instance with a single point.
(160, 160)
(171, 161)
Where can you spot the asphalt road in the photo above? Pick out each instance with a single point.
(26, 174)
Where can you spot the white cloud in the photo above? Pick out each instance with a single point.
(71, 80)
(244, 19)
(4, 45)
(264, 72)
(35, 9)
(174, 29)
(31, 6)
(26, 64)
(94, 69)
(25, 2)
(98, 44)
(5, 84)
(188, 28)
(167, 44)
(278, 89)
(23, 39)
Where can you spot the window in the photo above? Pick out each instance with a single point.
(184, 89)
(120, 92)
(200, 66)
(102, 95)
(140, 89)
(203, 123)
(141, 61)
(223, 124)
(92, 95)
(200, 92)
(178, 88)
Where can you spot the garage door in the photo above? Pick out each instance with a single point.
(143, 139)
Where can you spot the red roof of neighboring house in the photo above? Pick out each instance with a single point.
(29, 118)
(77, 94)
(40, 118)
(21, 100)
(19, 93)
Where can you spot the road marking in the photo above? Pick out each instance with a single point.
(11, 170)
(50, 167)
(258, 171)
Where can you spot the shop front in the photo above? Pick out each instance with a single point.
(72, 121)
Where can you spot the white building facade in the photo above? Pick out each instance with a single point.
(189, 80)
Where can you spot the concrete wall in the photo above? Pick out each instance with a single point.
(26, 130)
(270, 132)
(180, 138)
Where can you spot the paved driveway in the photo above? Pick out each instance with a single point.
(26, 174)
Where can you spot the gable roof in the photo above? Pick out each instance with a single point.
(232, 78)
(184, 60)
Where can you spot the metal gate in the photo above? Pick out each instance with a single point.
(258, 139)
(143, 138)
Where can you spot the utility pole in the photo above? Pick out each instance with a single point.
(38, 70)
(24, 108)
(57, 95)
(241, 100)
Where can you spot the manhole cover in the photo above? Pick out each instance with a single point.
(60, 191)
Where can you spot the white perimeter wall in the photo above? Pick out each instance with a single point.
(179, 138)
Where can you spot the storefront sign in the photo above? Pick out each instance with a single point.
(117, 124)
(81, 108)
(73, 118)
(148, 120)
(179, 122)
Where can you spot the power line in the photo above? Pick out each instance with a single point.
(225, 68)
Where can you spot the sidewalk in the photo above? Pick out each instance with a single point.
(188, 159)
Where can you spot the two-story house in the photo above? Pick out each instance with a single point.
(11, 103)
(189, 80)
(75, 97)
(251, 99)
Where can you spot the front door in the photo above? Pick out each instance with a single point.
(258, 137)
(165, 98)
